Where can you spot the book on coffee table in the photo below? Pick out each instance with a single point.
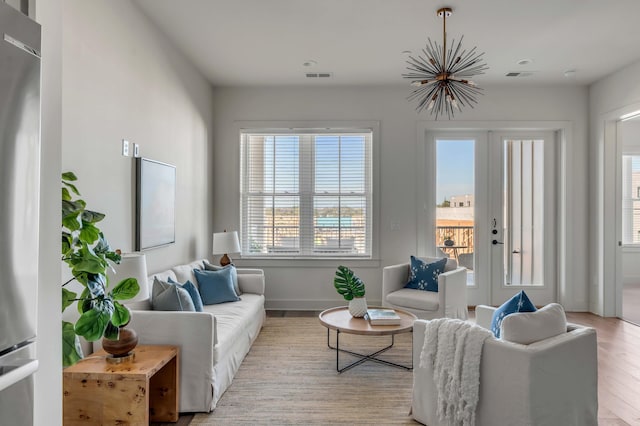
(383, 317)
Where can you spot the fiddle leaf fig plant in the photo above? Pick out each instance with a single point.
(348, 284)
(87, 253)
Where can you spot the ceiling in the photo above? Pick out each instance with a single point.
(361, 42)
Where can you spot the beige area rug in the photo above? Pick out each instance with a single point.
(290, 377)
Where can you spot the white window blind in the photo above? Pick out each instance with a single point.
(630, 199)
(306, 193)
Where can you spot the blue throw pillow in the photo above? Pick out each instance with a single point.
(234, 274)
(518, 303)
(193, 292)
(423, 275)
(170, 297)
(216, 286)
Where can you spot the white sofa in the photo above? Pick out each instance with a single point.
(212, 343)
(450, 301)
(550, 382)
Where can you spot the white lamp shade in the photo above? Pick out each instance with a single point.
(226, 242)
(132, 265)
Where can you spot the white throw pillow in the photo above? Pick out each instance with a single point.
(529, 327)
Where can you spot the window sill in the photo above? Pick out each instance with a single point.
(296, 262)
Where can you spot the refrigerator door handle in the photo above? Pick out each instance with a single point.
(10, 374)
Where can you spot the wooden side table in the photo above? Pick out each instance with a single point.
(135, 392)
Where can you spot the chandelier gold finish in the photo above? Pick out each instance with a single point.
(442, 78)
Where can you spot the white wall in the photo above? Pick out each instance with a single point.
(107, 74)
(48, 403)
(307, 284)
(123, 80)
(609, 98)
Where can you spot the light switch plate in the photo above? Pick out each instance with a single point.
(136, 150)
(125, 147)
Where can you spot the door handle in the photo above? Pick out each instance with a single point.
(494, 242)
(516, 252)
(15, 373)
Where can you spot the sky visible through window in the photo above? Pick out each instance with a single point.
(454, 168)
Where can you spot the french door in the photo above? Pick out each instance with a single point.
(495, 211)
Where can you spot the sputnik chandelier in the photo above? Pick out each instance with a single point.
(442, 78)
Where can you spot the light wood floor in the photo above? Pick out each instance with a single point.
(631, 302)
(618, 368)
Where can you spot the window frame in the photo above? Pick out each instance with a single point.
(315, 127)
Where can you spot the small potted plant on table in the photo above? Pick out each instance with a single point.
(352, 289)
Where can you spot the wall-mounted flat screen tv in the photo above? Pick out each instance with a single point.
(155, 204)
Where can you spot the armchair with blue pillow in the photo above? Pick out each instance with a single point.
(428, 287)
(534, 369)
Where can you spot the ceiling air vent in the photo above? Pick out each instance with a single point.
(319, 75)
(519, 74)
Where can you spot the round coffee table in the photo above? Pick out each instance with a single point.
(340, 320)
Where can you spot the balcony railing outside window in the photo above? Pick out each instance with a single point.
(462, 237)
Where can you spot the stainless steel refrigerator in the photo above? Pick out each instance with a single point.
(19, 212)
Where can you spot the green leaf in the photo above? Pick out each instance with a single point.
(112, 332)
(89, 233)
(91, 324)
(72, 221)
(66, 243)
(348, 284)
(85, 260)
(82, 278)
(71, 349)
(65, 194)
(72, 187)
(67, 298)
(121, 315)
(69, 207)
(86, 305)
(91, 216)
(69, 176)
(126, 289)
(92, 266)
(113, 256)
(85, 302)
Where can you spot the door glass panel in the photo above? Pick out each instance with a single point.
(523, 212)
(455, 201)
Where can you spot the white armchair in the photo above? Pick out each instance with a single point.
(450, 301)
(553, 381)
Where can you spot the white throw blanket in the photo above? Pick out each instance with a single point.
(453, 348)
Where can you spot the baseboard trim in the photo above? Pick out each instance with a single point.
(309, 305)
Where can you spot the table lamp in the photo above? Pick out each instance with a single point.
(224, 243)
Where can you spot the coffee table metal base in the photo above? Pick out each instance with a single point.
(364, 357)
